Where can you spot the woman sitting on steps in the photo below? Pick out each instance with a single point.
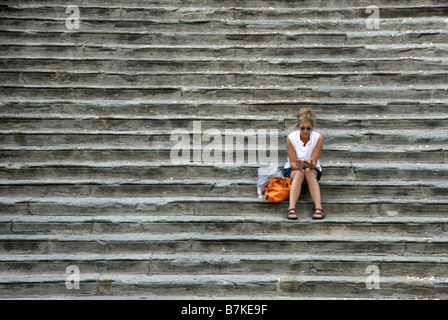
(304, 147)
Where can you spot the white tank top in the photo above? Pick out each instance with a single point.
(304, 152)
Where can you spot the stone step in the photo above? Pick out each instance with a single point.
(221, 93)
(51, 23)
(163, 264)
(222, 243)
(416, 138)
(281, 108)
(35, 121)
(230, 225)
(332, 155)
(229, 64)
(263, 286)
(223, 205)
(228, 38)
(128, 172)
(218, 78)
(236, 3)
(298, 51)
(221, 12)
(197, 187)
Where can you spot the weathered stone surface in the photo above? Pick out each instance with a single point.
(87, 179)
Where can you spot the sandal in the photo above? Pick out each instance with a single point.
(319, 214)
(292, 214)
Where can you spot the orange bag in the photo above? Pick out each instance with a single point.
(277, 189)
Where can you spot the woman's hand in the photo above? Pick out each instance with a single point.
(305, 164)
(302, 164)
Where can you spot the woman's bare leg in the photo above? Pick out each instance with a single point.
(313, 187)
(297, 177)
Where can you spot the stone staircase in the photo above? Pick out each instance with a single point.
(87, 178)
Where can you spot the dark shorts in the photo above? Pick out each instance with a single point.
(287, 173)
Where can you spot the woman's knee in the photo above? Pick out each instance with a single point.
(297, 174)
(310, 173)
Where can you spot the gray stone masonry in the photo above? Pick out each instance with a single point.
(87, 178)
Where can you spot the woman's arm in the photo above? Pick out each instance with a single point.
(316, 154)
(292, 155)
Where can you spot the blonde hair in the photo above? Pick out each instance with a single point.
(304, 115)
